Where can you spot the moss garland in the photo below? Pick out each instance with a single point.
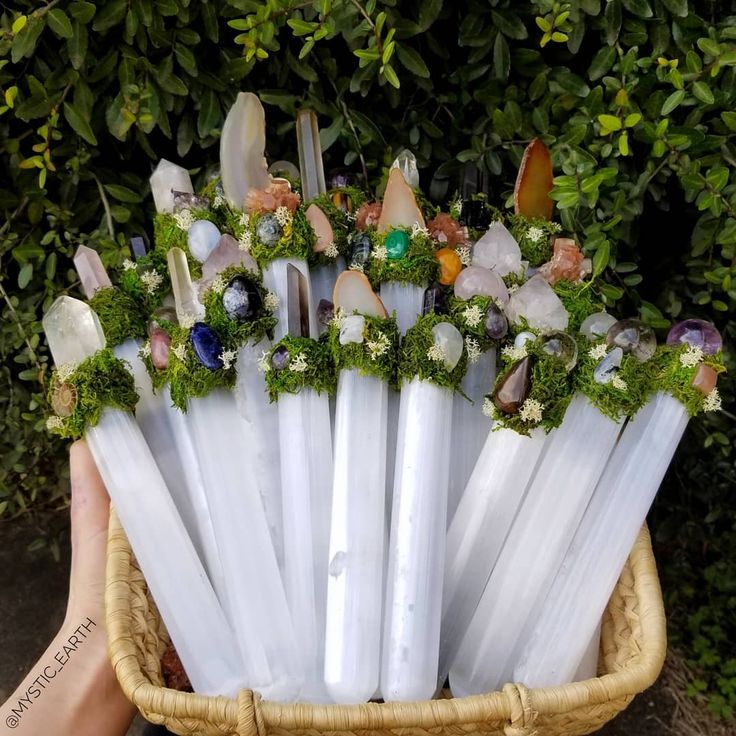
(146, 281)
(309, 365)
(470, 317)
(159, 377)
(417, 266)
(579, 300)
(415, 358)
(100, 381)
(121, 316)
(375, 356)
(534, 237)
(169, 232)
(342, 222)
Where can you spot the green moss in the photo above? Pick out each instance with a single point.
(535, 250)
(579, 300)
(100, 381)
(418, 266)
(122, 317)
(167, 235)
(297, 240)
(463, 309)
(135, 281)
(375, 356)
(415, 361)
(319, 373)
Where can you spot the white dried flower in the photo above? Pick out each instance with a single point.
(218, 285)
(417, 229)
(712, 401)
(473, 315)
(180, 351)
(380, 253)
(488, 408)
(152, 280)
(456, 207)
(146, 349)
(473, 349)
(598, 351)
(556, 226)
(331, 251)
(436, 353)
(531, 411)
(187, 321)
(352, 216)
(337, 317)
(691, 357)
(514, 353)
(219, 201)
(228, 358)
(128, 265)
(535, 234)
(464, 254)
(245, 241)
(65, 371)
(271, 301)
(264, 362)
(356, 267)
(511, 289)
(298, 363)
(184, 219)
(379, 346)
(244, 220)
(54, 422)
(618, 383)
(283, 216)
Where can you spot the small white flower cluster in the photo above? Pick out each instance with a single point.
(271, 301)
(380, 253)
(264, 362)
(472, 347)
(531, 411)
(487, 408)
(337, 317)
(513, 288)
(298, 363)
(436, 353)
(619, 384)
(186, 321)
(145, 350)
(514, 353)
(219, 201)
(54, 422)
(184, 219)
(535, 234)
(417, 229)
(712, 401)
(283, 216)
(556, 227)
(597, 352)
(218, 285)
(228, 358)
(65, 371)
(473, 315)
(331, 251)
(379, 346)
(456, 208)
(351, 216)
(152, 280)
(128, 265)
(464, 254)
(357, 267)
(245, 241)
(244, 220)
(180, 351)
(691, 357)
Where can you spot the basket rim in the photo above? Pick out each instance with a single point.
(497, 706)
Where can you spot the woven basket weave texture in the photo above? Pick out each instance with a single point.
(633, 647)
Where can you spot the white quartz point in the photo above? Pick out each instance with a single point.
(202, 239)
(188, 306)
(537, 302)
(311, 169)
(73, 331)
(166, 179)
(354, 293)
(481, 523)
(322, 228)
(574, 458)
(577, 599)
(92, 273)
(406, 163)
(275, 279)
(242, 149)
(400, 207)
(475, 280)
(449, 341)
(351, 329)
(497, 249)
(411, 628)
(404, 300)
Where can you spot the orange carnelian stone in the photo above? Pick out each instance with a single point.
(450, 265)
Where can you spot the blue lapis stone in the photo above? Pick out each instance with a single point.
(207, 346)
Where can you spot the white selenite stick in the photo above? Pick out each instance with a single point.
(580, 593)
(275, 280)
(417, 543)
(323, 279)
(306, 480)
(357, 539)
(174, 573)
(254, 594)
(574, 459)
(406, 300)
(481, 524)
(469, 424)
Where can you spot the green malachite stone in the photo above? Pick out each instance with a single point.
(397, 243)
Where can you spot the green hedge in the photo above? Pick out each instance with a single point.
(635, 97)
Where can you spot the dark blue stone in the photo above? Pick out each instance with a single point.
(206, 345)
(435, 300)
(360, 249)
(325, 312)
(138, 247)
(280, 358)
(241, 300)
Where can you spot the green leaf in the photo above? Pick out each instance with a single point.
(302, 27)
(632, 119)
(602, 62)
(673, 101)
(601, 258)
(24, 42)
(510, 24)
(677, 7)
(613, 19)
(391, 77)
(501, 58)
(412, 60)
(77, 44)
(123, 194)
(209, 114)
(709, 46)
(729, 118)
(25, 275)
(717, 177)
(82, 11)
(639, 7)
(59, 23)
(184, 135)
(112, 13)
(79, 123)
(571, 83)
(703, 92)
(610, 122)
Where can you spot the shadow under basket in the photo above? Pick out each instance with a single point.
(633, 647)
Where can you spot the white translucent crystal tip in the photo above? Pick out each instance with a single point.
(406, 163)
(168, 178)
(73, 331)
(91, 272)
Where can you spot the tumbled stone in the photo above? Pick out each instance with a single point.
(343, 201)
(206, 345)
(705, 379)
(633, 336)
(160, 343)
(202, 239)
(359, 252)
(322, 228)
(450, 265)
(608, 367)
(537, 302)
(189, 201)
(448, 338)
(496, 325)
(351, 329)
(325, 312)
(596, 326)
(269, 230)
(475, 281)
(435, 300)
(523, 338)
(514, 389)
(498, 250)
(280, 358)
(563, 347)
(397, 244)
(241, 300)
(696, 333)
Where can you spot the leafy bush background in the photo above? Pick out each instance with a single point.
(635, 97)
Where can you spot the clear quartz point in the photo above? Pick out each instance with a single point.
(188, 306)
(73, 331)
(166, 179)
(91, 272)
(242, 149)
(310, 155)
(406, 163)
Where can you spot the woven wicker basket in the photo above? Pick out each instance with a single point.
(633, 645)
